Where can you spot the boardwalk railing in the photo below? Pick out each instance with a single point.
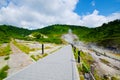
(89, 75)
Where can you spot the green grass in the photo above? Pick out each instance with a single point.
(6, 58)
(115, 78)
(86, 61)
(97, 77)
(45, 54)
(104, 61)
(22, 47)
(37, 57)
(3, 72)
(85, 68)
(33, 57)
(86, 58)
(5, 50)
(82, 77)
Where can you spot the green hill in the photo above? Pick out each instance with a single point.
(54, 32)
(7, 32)
(107, 35)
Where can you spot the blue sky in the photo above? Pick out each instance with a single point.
(34, 14)
(105, 7)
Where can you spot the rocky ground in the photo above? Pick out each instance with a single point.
(112, 68)
(18, 60)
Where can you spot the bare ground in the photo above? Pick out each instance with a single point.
(18, 60)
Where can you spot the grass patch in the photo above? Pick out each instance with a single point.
(3, 72)
(33, 57)
(37, 57)
(47, 47)
(22, 47)
(115, 78)
(85, 68)
(44, 55)
(104, 61)
(97, 77)
(86, 61)
(82, 77)
(5, 50)
(34, 49)
(75, 53)
(6, 58)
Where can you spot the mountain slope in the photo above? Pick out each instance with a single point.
(7, 32)
(107, 35)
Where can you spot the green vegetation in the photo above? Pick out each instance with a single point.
(86, 60)
(37, 35)
(104, 61)
(84, 66)
(50, 40)
(37, 57)
(53, 32)
(3, 72)
(115, 78)
(97, 77)
(44, 55)
(7, 32)
(22, 47)
(82, 77)
(107, 35)
(5, 50)
(6, 58)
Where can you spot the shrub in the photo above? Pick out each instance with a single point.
(6, 58)
(3, 72)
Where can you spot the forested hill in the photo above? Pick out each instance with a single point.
(106, 35)
(7, 32)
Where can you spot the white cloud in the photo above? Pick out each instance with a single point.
(95, 20)
(40, 13)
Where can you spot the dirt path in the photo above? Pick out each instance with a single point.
(18, 60)
(15, 49)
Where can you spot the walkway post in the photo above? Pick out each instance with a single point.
(78, 56)
(42, 48)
